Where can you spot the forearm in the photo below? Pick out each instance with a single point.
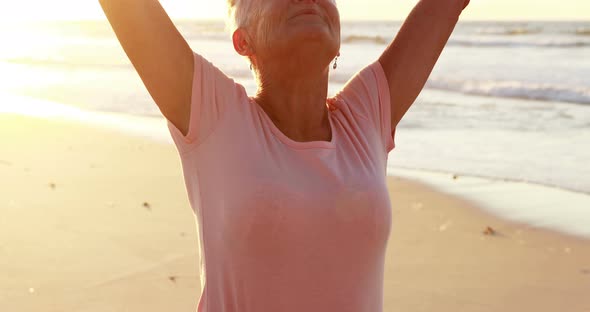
(411, 56)
(421, 39)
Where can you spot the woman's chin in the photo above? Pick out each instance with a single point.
(309, 34)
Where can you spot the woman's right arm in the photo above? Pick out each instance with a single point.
(160, 55)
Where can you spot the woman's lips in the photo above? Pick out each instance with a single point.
(307, 12)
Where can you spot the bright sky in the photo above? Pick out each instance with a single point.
(349, 9)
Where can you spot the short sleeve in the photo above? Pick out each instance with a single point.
(212, 93)
(367, 95)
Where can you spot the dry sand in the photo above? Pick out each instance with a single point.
(95, 220)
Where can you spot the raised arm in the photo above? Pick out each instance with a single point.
(159, 53)
(410, 58)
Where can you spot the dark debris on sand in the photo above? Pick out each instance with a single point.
(489, 231)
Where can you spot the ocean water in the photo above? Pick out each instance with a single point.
(506, 101)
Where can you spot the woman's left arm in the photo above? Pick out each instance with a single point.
(410, 58)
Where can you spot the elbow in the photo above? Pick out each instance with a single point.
(465, 4)
(459, 6)
(452, 8)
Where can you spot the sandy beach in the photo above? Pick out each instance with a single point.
(97, 220)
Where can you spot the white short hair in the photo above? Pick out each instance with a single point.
(241, 13)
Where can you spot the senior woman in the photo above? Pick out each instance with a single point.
(288, 185)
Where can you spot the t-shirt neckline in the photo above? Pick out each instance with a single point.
(295, 144)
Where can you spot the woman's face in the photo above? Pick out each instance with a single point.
(288, 25)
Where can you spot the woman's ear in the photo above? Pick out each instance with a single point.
(241, 44)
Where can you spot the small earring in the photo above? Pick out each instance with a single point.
(335, 63)
(250, 66)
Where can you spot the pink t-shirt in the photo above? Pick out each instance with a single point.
(287, 226)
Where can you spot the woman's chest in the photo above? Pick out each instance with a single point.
(264, 207)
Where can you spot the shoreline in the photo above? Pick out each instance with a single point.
(515, 201)
(481, 191)
(473, 188)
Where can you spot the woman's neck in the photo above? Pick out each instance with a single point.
(295, 100)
